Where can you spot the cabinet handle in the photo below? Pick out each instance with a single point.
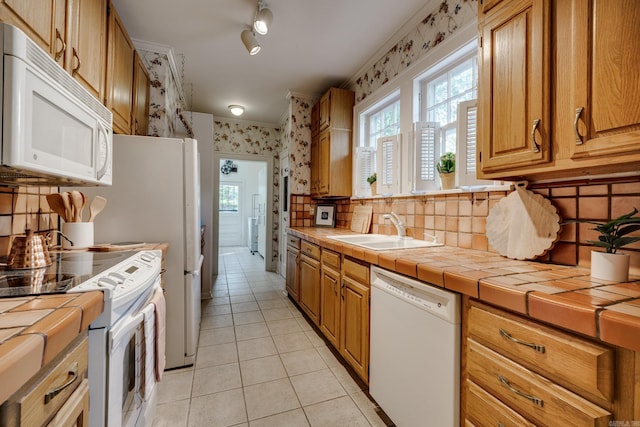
(64, 45)
(536, 400)
(537, 347)
(335, 284)
(535, 147)
(75, 70)
(73, 373)
(575, 125)
(342, 290)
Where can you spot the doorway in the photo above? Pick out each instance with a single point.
(243, 187)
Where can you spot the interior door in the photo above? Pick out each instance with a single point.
(231, 214)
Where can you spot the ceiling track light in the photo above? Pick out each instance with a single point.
(236, 110)
(263, 20)
(250, 42)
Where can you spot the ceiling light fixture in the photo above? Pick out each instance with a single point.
(250, 42)
(236, 110)
(263, 20)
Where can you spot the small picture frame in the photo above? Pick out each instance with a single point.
(325, 216)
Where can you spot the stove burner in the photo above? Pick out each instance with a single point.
(66, 271)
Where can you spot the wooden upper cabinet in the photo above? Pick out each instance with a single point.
(119, 93)
(141, 88)
(331, 132)
(36, 18)
(606, 87)
(86, 52)
(514, 101)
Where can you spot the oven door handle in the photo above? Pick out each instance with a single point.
(124, 328)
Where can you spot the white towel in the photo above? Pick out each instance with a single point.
(160, 315)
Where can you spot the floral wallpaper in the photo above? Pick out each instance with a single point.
(165, 105)
(246, 138)
(300, 145)
(449, 16)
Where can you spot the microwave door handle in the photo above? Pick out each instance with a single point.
(103, 170)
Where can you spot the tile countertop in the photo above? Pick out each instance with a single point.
(35, 329)
(564, 296)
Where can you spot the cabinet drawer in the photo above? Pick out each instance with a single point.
(309, 249)
(331, 259)
(531, 395)
(356, 271)
(572, 361)
(294, 242)
(28, 408)
(485, 410)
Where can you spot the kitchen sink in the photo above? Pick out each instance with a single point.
(383, 242)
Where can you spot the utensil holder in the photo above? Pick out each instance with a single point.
(80, 234)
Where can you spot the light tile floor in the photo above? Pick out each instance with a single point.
(259, 362)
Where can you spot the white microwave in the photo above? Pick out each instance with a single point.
(53, 131)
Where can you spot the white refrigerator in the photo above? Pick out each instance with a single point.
(155, 197)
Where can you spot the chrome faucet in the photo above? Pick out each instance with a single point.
(397, 222)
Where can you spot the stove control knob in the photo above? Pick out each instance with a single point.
(119, 278)
(147, 256)
(106, 282)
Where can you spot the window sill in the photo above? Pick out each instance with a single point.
(459, 190)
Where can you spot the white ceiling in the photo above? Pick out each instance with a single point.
(311, 46)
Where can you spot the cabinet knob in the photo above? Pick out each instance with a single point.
(534, 145)
(537, 347)
(77, 67)
(575, 125)
(73, 375)
(62, 48)
(536, 400)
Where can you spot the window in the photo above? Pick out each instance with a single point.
(442, 93)
(379, 122)
(384, 120)
(229, 197)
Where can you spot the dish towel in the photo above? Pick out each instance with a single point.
(160, 304)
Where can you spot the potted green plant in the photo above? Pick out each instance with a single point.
(614, 234)
(446, 168)
(372, 182)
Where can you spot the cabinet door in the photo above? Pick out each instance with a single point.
(36, 18)
(141, 81)
(325, 111)
(606, 87)
(315, 164)
(292, 279)
(514, 112)
(310, 287)
(86, 53)
(330, 305)
(354, 326)
(324, 162)
(119, 73)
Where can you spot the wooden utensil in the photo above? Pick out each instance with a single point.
(57, 205)
(97, 204)
(66, 200)
(77, 202)
(361, 219)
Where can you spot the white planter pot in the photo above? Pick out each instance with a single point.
(613, 267)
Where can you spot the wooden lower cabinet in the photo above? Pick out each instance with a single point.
(519, 372)
(330, 297)
(354, 319)
(56, 396)
(293, 279)
(310, 287)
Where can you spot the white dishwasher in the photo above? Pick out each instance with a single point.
(414, 370)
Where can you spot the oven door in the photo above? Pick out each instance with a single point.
(125, 370)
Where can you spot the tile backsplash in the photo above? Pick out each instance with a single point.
(459, 219)
(24, 207)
